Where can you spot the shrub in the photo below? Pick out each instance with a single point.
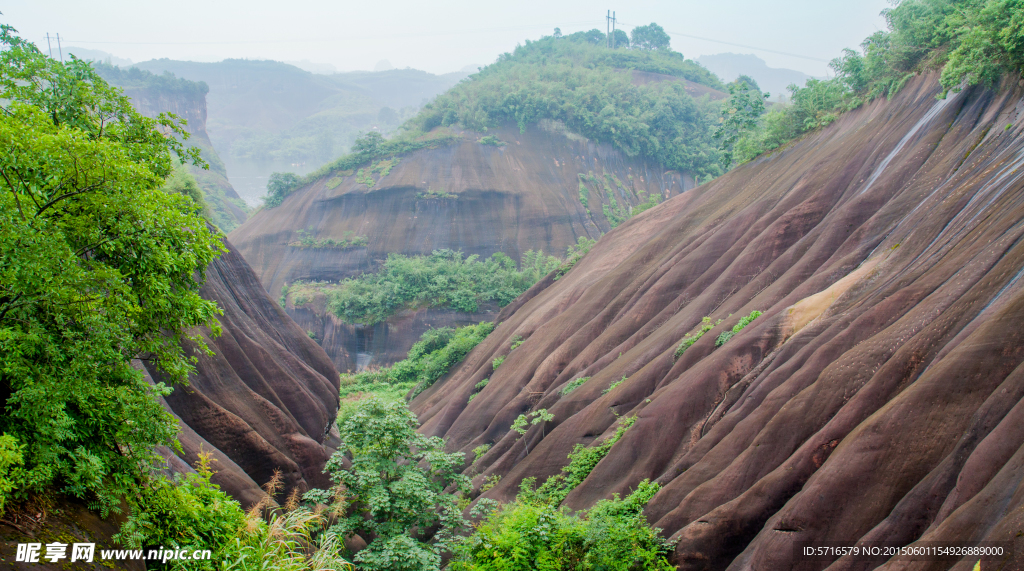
(574, 384)
(395, 488)
(442, 279)
(705, 326)
(526, 536)
(582, 461)
(187, 512)
(743, 322)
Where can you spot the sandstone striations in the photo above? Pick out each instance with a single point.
(267, 397)
(878, 397)
(522, 194)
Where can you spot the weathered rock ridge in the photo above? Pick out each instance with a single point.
(879, 396)
(472, 197)
(265, 400)
(153, 98)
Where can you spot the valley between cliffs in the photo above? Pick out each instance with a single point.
(878, 397)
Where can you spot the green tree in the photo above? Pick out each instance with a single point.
(739, 115)
(280, 185)
(620, 40)
(395, 486)
(650, 37)
(98, 266)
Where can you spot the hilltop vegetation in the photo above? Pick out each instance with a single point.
(972, 41)
(577, 80)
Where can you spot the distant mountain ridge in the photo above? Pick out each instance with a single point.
(729, 66)
(267, 116)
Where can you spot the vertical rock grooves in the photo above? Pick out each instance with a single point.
(884, 406)
(267, 397)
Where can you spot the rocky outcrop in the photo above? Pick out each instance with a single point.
(267, 397)
(152, 95)
(538, 190)
(878, 397)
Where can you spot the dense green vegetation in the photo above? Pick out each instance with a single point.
(430, 358)
(395, 488)
(527, 535)
(577, 80)
(973, 42)
(533, 533)
(101, 259)
(443, 279)
(98, 266)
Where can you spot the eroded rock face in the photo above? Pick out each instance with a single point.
(877, 398)
(472, 197)
(265, 400)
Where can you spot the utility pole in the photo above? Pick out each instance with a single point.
(608, 27)
(49, 48)
(613, 29)
(59, 50)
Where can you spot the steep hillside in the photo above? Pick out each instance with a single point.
(878, 396)
(557, 141)
(268, 116)
(265, 400)
(152, 95)
(474, 197)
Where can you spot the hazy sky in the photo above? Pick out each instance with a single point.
(436, 36)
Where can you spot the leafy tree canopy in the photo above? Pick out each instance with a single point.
(395, 487)
(98, 266)
(590, 88)
(650, 37)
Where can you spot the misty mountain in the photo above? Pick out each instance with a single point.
(729, 66)
(89, 55)
(267, 116)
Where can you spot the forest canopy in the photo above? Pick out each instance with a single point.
(578, 80)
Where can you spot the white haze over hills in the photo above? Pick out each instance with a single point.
(729, 66)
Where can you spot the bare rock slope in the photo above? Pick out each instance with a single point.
(265, 400)
(879, 396)
(524, 194)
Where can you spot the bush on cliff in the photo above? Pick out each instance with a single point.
(590, 89)
(973, 42)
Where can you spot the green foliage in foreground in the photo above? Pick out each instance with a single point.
(590, 89)
(98, 266)
(395, 488)
(527, 536)
(442, 279)
(974, 42)
(430, 358)
(725, 336)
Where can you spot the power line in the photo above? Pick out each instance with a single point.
(335, 38)
(741, 45)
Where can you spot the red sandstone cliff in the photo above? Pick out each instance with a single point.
(879, 396)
